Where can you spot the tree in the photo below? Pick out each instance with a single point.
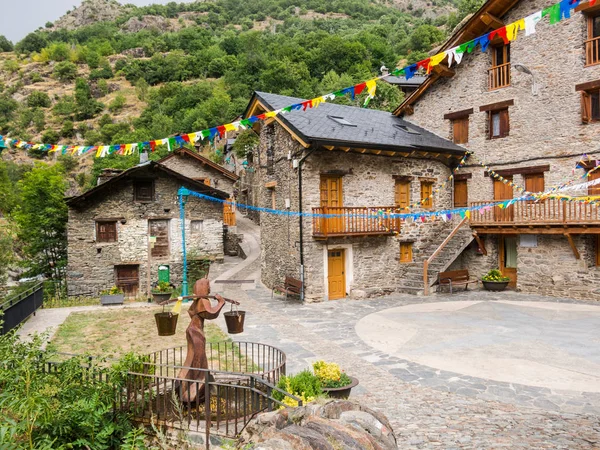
(65, 71)
(141, 88)
(86, 106)
(38, 99)
(466, 7)
(246, 141)
(41, 218)
(424, 37)
(33, 42)
(5, 44)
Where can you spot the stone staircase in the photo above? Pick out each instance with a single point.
(412, 282)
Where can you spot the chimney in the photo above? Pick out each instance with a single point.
(107, 174)
(384, 71)
(143, 157)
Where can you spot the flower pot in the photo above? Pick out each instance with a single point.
(495, 285)
(166, 323)
(116, 299)
(341, 392)
(235, 321)
(159, 297)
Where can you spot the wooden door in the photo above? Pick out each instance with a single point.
(128, 279)
(402, 194)
(229, 213)
(503, 191)
(508, 258)
(331, 198)
(336, 274)
(460, 194)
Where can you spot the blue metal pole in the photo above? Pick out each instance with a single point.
(182, 194)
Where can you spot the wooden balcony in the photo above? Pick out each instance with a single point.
(549, 216)
(592, 51)
(499, 77)
(354, 221)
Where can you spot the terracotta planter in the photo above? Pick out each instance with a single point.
(341, 392)
(161, 296)
(495, 285)
(116, 299)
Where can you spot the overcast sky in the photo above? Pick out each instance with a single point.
(20, 17)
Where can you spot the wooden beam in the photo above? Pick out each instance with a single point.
(377, 152)
(458, 114)
(496, 106)
(480, 243)
(443, 70)
(362, 150)
(573, 246)
(521, 170)
(271, 184)
(587, 86)
(329, 147)
(492, 21)
(346, 149)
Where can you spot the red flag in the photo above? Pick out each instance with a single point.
(500, 32)
(186, 138)
(423, 64)
(221, 130)
(152, 145)
(359, 88)
(307, 103)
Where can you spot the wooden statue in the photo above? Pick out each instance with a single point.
(201, 310)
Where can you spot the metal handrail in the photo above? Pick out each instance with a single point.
(21, 296)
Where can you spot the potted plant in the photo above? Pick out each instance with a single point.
(162, 292)
(334, 381)
(495, 281)
(112, 296)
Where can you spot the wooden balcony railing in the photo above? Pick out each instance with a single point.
(499, 76)
(592, 51)
(354, 221)
(546, 212)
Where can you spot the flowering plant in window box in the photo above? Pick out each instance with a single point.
(112, 296)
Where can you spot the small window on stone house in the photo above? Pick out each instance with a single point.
(534, 182)
(498, 123)
(499, 74)
(427, 194)
(594, 189)
(106, 231)
(460, 130)
(406, 254)
(461, 195)
(590, 105)
(592, 43)
(143, 190)
(197, 226)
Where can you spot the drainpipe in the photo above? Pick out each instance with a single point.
(301, 221)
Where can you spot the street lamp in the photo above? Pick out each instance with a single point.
(523, 69)
(183, 195)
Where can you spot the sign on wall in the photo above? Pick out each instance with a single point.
(528, 240)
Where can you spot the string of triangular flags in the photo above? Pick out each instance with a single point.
(508, 33)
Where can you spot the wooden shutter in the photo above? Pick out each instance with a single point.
(586, 107)
(426, 192)
(461, 197)
(160, 230)
(106, 231)
(504, 123)
(402, 194)
(406, 252)
(144, 191)
(534, 182)
(594, 190)
(461, 130)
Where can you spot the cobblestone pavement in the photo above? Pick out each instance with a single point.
(428, 408)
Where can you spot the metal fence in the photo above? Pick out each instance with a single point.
(20, 307)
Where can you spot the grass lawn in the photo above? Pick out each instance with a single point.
(113, 333)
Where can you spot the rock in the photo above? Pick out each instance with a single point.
(336, 424)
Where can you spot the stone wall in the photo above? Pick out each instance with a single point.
(544, 129)
(367, 181)
(91, 266)
(192, 168)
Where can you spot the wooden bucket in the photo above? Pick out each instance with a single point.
(166, 322)
(235, 321)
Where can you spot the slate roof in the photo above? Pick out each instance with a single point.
(414, 82)
(370, 128)
(207, 162)
(142, 169)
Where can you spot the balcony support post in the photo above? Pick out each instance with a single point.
(573, 246)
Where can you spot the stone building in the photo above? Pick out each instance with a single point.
(341, 160)
(110, 225)
(529, 110)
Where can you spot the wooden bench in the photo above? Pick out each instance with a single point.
(455, 278)
(292, 286)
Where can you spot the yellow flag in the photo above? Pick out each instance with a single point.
(177, 306)
(192, 137)
(229, 127)
(128, 150)
(513, 28)
(271, 114)
(435, 61)
(371, 87)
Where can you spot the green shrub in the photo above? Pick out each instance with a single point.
(11, 65)
(38, 99)
(304, 385)
(117, 104)
(102, 86)
(67, 129)
(68, 162)
(65, 71)
(50, 137)
(104, 72)
(36, 77)
(495, 275)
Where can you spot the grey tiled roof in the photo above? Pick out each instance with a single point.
(371, 128)
(415, 81)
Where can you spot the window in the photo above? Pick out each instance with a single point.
(461, 198)
(406, 252)
(534, 182)
(499, 74)
(498, 123)
(460, 130)
(143, 190)
(402, 194)
(106, 231)
(595, 189)
(160, 230)
(197, 226)
(590, 105)
(426, 194)
(341, 121)
(592, 44)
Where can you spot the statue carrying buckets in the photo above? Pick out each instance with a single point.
(200, 310)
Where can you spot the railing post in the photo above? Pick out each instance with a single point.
(426, 277)
(207, 407)
(325, 220)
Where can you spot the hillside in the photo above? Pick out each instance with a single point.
(105, 73)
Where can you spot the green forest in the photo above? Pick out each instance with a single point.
(71, 86)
